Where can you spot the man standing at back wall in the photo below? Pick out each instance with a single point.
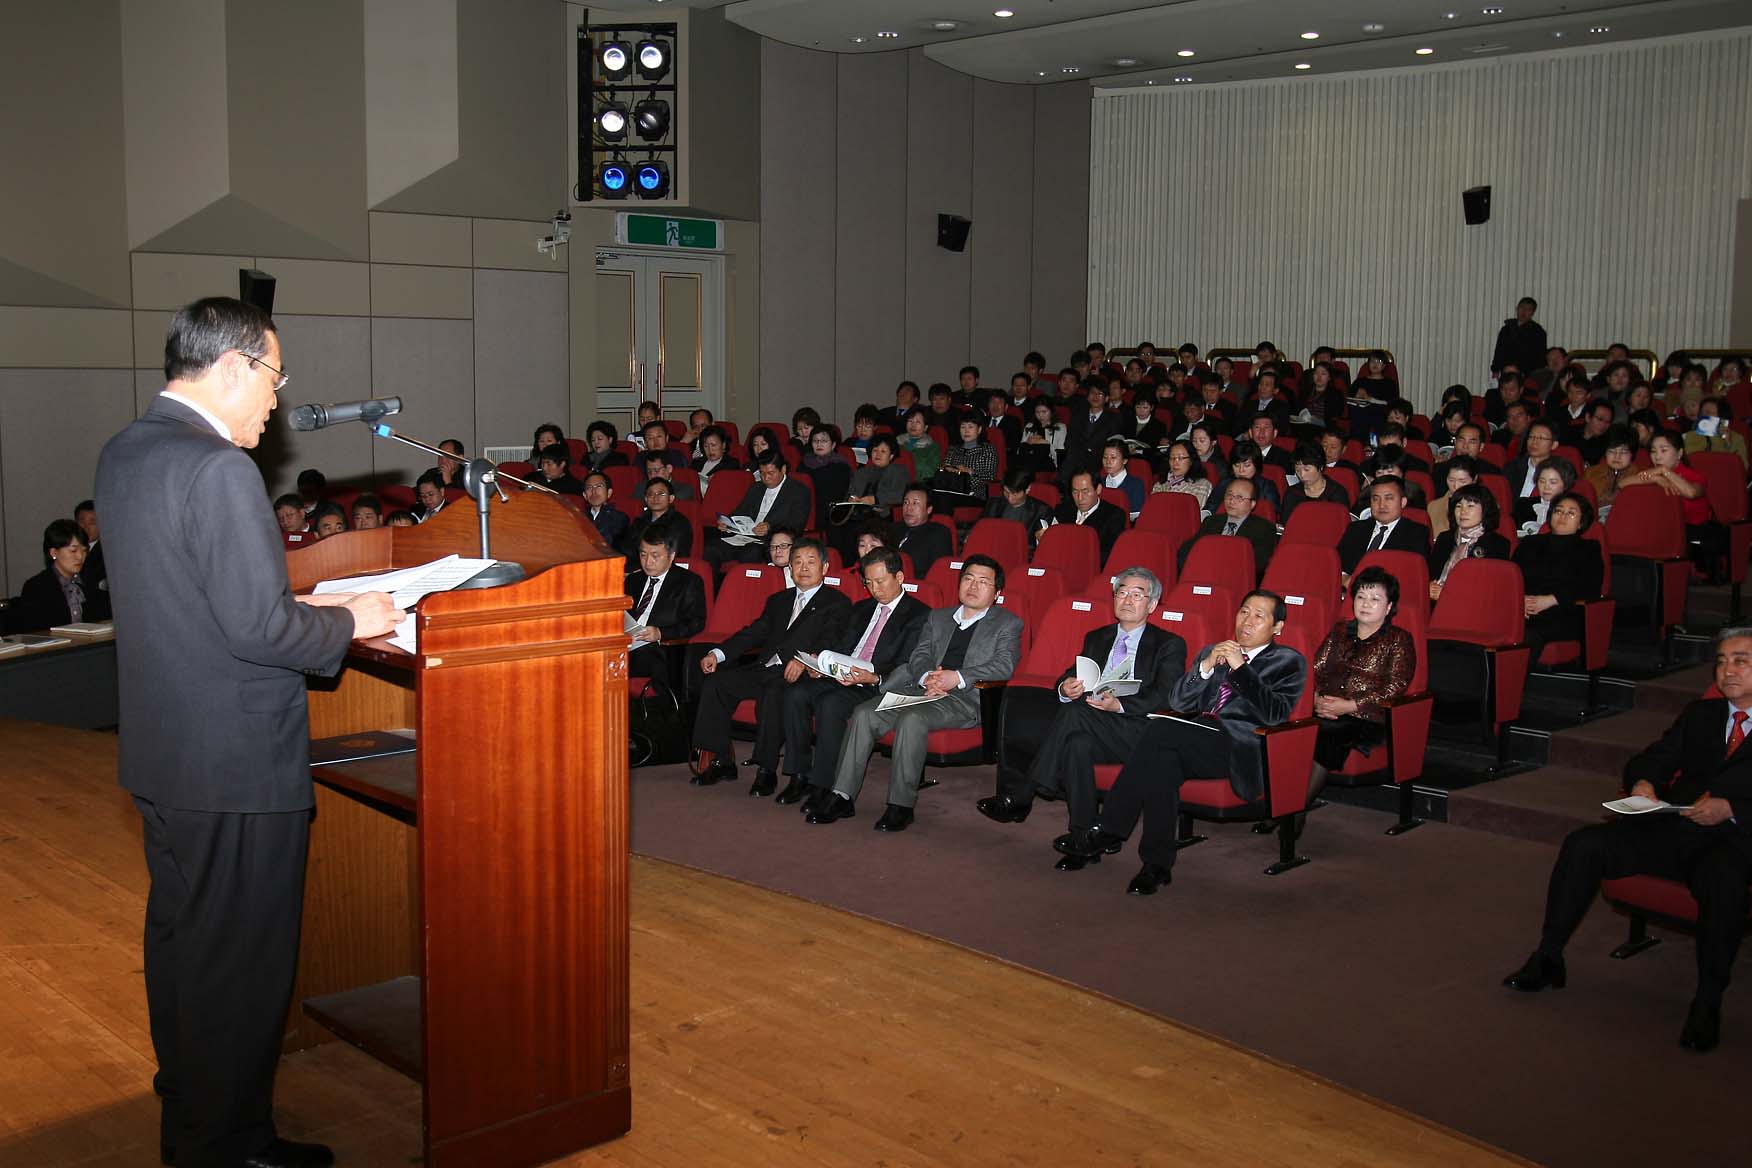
(211, 653)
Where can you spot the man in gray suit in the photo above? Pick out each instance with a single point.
(211, 653)
(959, 648)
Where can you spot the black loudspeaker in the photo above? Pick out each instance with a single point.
(1477, 204)
(952, 232)
(256, 287)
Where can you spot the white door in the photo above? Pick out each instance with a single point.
(659, 334)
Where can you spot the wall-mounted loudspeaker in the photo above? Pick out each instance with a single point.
(1476, 201)
(952, 232)
(256, 287)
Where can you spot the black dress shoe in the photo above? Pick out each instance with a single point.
(765, 782)
(720, 771)
(1004, 809)
(835, 807)
(1703, 1026)
(1076, 863)
(1088, 842)
(814, 798)
(895, 818)
(794, 792)
(1538, 972)
(1149, 878)
(288, 1154)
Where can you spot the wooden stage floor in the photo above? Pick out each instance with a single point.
(766, 1031)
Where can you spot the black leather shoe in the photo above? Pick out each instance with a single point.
(814, 798)
(1004, 809)
(720, 771)
(1703, 1026)
(1088, 842)
(1076, 863)
(895, 818)
(765, 782)
(288, 1154)
(794, 792)
(835, 807)
(1538, 972)
(1148, 880)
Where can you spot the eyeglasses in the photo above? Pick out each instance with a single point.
(1131, 594)
(280, 379)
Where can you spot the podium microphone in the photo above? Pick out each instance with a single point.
(316, 417)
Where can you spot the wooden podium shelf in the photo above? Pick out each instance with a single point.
(466, 905)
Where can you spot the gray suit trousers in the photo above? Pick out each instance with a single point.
(910, 726)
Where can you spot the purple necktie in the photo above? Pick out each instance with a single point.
(1224, 693)
(1117, 657)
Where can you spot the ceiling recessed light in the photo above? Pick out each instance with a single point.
(858, 40)
(1423, 52)
(1185, 53)
(1303, 65)
(1003, 13)
(889, 36)
(1493, 10)
(1310, 36)
(945, 25)
(1125, 62)
(1374, 26)
(1182, 78)
(1042, 73)
(1070, 69)
(1149, 83)
(1558, 34)
(1450, 16)
(1600, 28)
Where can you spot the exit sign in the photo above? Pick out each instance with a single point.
(668, 231)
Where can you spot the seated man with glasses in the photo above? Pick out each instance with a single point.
(1088, 726)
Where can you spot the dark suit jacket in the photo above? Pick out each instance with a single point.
(1490, 546)
(1010, 428)
(1406, 536)
(1107, 520)
(41, 603)
(612, 524)
(1085, 437)
(93, 574)
(1279, 411)
(1691, 758)
(629, 540)
(790, 509)
(899, 636)
(926, 544)
(211, 648)
(1516, 470)
(768, 633)
(1034, 513)
(1256, 531)
(679, 611)
(1160, 660)
(1264, 693)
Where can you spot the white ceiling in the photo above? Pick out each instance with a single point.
(1232, 40)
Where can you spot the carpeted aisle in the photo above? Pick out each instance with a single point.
(1377, 965)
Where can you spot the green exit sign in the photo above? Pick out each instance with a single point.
(668, 231)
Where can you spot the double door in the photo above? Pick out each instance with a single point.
(659, 334)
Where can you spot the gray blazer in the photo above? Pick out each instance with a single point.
(211, 649)
(993, 655)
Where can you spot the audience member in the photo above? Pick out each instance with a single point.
(1559, 568)
(829, 471)
(601, 438)
(367, 513)
(92, 575)
(1385, 530)
(1182, 472)
(1309, 467)
(549, 434)
(1234, 517)
(1521, 340)
(450, 463)
(327, 519)
(668, 602)
(1114, 474)
(1246, 462)
(659, 510)
(1016, 503)
(1086, 508)
(430, 492)
(917, 440)
(610, 522)
(401, 518)
(1705, 537)
(312, 483)
(1362, 664)
(773, 499)
(1616, 464)
(289, 514)
(1555, 476)
(656, 436)
(553, 471)
(920, 536)
(1469, 531)
(57, 595)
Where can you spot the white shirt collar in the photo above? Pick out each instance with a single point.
(1114, 480)
(962, 620)
(207, 415)
(807, 594)
(1082, 515)
(1252, 653)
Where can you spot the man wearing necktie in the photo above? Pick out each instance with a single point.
(1700, 765)
(669, 602)
(1233, 515)
(796, 619)
(1386, 528)
(1236, 687)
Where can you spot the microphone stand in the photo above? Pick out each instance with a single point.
(480, 479)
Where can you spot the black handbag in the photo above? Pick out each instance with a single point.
(657, 727)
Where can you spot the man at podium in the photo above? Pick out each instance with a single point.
(211, 653)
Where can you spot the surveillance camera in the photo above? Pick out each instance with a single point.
(550, 245)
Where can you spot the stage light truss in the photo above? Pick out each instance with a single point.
(628, 112)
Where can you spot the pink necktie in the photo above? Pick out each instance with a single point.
(867, 650)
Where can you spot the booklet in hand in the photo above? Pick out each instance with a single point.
(1089, 674)
(1639, 805)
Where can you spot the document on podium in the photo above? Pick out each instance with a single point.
(408, 586)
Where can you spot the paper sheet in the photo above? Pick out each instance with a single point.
(408, 586)
(1638, 805)
(894, 701)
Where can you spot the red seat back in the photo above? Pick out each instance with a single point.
(1725, 482)
(1031, 591)
(1058, 639)
(1481, 604)
(1140, 549)
(1314, 522)
(1222, 560)
(724, 491)
(1413, 573)
(746, 588)
(1212, 605)
(1173, 513)
(1075, 551)
(1647, 522)
(1307, 577)
(1004, 540)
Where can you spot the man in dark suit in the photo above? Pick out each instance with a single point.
(659, 511)
(610, 522)
(1522, 471)
(1086, 508)
(1086, 726)
(1702, 766)
(774, 499)
(669, 601)
(1091, 425)
(1386, 529)
(212, 650)
(1234, 516)
(960, 647)
(1468, 443)
(1236, 687)
(1001, 428)
(1264, 431)
(1264, 401)
(797, 619)
(92, 575)
(882, 630)
(920, 537)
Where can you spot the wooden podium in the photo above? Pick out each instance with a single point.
(465, 914)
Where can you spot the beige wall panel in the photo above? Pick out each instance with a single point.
(170, 281)
(46, 465)
(510, 243)
(149, 332)
(406, 290)
(591, 228)
(178, 131)
(870, 242)
(329, 360)
(147, 384)
(939, 177)
(680, 308)
(319, 287)
(615, 342)
(519, 353)
(1060, 283)
(724, 116)
(61, 142)
(64, 338)
(420, 239)
(412, 119)
(741, 319)
(429, 364)
(1003, 228)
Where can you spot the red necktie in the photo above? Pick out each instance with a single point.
(1738, 734)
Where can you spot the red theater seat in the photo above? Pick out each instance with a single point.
(1481, 609)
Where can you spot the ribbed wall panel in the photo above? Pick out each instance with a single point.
(1327, 210)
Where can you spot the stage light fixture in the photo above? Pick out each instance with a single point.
(651, 179)
(651, 119)
(614, 179)
(653, 59)
(615, 60)
(611, 122)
